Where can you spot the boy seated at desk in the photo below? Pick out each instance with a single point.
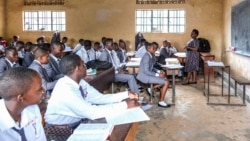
(73, 99)
(148, 74)
(21, 90)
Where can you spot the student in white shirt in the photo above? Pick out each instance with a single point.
(21, 90)
(94, 53)
(74, 99)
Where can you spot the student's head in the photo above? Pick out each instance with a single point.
(142, 42)
(28, 46)
(81, 41)
(156, 45)
(64, 39)
(122, 44)
(165, 43)
(97, 46)
(42, 55)
(87, 44)
(72, 64)
(103, 40)
(15, 38)
(150, 47)
(21, 84)
(56, 49)
(11, 54)
(115, 46)
(40, 40)
(45, 46)
(19, 45)
(194, 33)
(109, 43)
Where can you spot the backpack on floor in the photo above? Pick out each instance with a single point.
(204, 45)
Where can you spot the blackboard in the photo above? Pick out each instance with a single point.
(240, 28)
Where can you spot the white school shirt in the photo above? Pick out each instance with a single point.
(66, 104)
(83, 54)
(93, 55)
(30, 120)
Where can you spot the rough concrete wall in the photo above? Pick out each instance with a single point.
(90, 19)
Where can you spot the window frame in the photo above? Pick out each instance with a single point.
(44, 20)
(150, 23)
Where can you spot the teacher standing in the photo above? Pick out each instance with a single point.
(192, 61)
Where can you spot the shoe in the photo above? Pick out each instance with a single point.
(163, 104)
(195, 82)
(148, 90)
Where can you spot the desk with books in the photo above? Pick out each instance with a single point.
(102, 79)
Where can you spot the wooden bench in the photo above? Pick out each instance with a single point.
(242, 81)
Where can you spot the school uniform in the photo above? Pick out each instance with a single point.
(82, 53)
(147, 73)
(47, 83)
(110, 56)
(140, 52)
(93, 55)
(52, 68)
(31, 125)
(69, 103)
(6, 64)
(28, 59)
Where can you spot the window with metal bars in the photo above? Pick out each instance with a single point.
(44, 21)
(160, 21)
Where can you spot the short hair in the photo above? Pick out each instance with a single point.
(87, 43)
(55, 44)
(40, 52)
(155, 43)
(20, 42)
(8, 50)
(97, 43)
(81, 40)
(65, 38)
(196, 31)
(16, 81)
(108, 40)
(68, 64)
(148, 45)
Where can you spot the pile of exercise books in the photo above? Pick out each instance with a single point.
(92, 132)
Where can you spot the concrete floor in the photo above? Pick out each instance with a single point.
(191, 119)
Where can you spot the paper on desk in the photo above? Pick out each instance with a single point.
(128, 116)
(146, 107)
(215, 64)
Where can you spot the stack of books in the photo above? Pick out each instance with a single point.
(92, 132)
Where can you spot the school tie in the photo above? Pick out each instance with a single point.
(21, 133)
(84, 93)
(58, 60)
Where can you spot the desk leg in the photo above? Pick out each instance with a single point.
(173, 86)
(222, 79)
(229, 84)
(208, 79)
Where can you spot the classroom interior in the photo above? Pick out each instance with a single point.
(92, 20)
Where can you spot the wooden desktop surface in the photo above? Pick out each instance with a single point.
(124, 132)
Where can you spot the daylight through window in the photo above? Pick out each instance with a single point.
(44, 21)
(160, 21)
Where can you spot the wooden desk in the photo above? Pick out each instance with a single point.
(207, 57)
(102, 79)
(124, 132)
